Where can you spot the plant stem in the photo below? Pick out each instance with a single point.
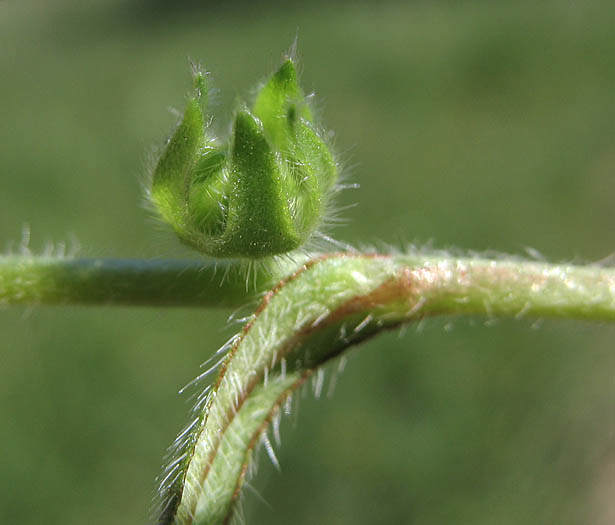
(321, 308)
(41, 280)
(509, 288)
(446, 285)
(329, 304)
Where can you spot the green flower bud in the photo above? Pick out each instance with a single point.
(262, 193)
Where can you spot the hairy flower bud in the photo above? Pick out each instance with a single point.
(261, 193)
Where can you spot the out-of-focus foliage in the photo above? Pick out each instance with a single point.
(486, 125)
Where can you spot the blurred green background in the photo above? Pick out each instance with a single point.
(481, 125)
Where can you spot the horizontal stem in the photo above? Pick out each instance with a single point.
(41, 280)
(509, 288)
(447, 285)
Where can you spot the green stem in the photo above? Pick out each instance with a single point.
(42, 280)
(509, 288)
(323, 307)
(326, 306)
(447, 285)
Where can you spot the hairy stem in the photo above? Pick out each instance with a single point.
(42, 280)
(509, 288)
(327, 305)
(321, 308)
(447, 285)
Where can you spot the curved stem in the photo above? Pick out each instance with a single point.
(326, 306)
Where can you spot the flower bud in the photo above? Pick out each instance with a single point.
(263, 192)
